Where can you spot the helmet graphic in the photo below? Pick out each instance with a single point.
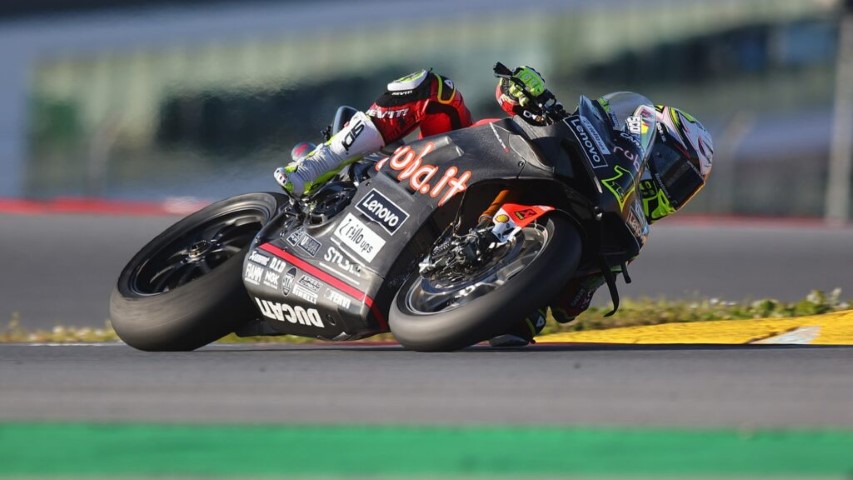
(679, 164)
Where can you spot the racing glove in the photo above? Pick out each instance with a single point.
(525, 94)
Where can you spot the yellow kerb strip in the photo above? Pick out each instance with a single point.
(828, 329)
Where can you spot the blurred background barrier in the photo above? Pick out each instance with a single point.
(146, 99)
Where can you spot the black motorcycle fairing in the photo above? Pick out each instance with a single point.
(362, 253)
(333, 276)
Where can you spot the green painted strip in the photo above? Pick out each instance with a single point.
(111, 450)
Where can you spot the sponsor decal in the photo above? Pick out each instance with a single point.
(594, 154)
(271, 279)
(341, 261)
(383, 211)
(278, 265)
(309, 244)
(620, 185)
(637, 220)
(259, 259)
(253, 274)
(357, 236)
(353, 134)
(596, 137)
(642, 124)
(635, 125)
(409, 165)
(631, 138)
(294, 238)
(522, 214)
(304, 294)
(632, 156)
(634, 224)
(500, 140)
(382, 113)
(330, 280)
(285, 313)
(287, 281)
(504, 226)
(338, 298)
(310, 283)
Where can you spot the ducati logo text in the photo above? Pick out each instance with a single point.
(285, 313)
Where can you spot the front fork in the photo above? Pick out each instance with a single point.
(504, 196)
(496, 226)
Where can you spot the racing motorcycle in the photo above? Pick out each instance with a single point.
(398, 241)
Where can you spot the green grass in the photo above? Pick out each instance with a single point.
(130, 450)
(633, 312)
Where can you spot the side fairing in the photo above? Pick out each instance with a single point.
(331, 278)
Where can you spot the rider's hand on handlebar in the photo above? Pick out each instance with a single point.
(522, 92)
(525, 83)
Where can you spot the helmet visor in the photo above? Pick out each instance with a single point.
(677, 176)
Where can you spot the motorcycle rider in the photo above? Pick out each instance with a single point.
(679, 164)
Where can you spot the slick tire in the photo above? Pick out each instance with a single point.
(204, 299)
(495, 312)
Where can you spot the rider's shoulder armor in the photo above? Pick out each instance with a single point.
(409, 82)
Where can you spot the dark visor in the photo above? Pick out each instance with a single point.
(679, 179)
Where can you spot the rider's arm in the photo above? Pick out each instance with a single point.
(423, 99)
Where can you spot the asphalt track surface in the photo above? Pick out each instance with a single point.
(738, 387)
(60, 268)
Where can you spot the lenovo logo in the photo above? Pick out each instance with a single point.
(383, 211)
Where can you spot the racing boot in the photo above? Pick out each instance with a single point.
(358, 138)
(576, 297)
(522, 333)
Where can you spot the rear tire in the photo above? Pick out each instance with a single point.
(468, 321)
(184, 289)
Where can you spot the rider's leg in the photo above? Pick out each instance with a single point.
(358, 138)
(574, 299)
(423, 99)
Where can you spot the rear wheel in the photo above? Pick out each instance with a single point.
(184, 289)
(455, 307)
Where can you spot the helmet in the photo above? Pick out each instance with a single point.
(679, 164)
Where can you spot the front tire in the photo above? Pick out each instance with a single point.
(431, 314)
(184, 289)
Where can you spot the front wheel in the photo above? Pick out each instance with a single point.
(184, 289)
(454, 308)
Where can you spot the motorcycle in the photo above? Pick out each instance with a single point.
(397, 241)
